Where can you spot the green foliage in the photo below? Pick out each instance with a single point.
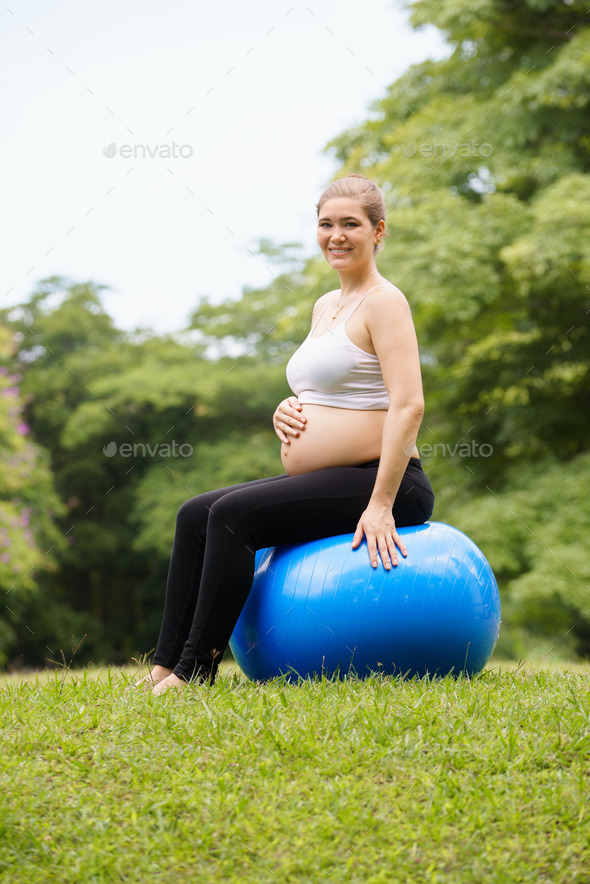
(29, 540)
(534, 528)
(268, 323)
(539, 399)
(134, 424)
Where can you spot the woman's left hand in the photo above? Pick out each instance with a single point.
(378, 524)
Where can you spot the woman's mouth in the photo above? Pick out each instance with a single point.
(340, 251)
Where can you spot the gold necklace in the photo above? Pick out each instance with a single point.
(338, 309)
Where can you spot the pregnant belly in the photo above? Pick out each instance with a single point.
(333, 437)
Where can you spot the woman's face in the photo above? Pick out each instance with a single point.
(345, 234)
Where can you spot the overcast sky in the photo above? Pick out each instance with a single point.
(234, 102)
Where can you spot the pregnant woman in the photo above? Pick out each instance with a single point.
(348, 447)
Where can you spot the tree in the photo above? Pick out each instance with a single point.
(133, 425)
(29, 539)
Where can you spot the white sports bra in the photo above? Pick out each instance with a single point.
(331, 370)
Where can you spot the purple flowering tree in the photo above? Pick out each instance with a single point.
(29, 539)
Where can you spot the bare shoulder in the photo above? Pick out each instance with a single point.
(386, 304)
(388, 293)
(322, 301)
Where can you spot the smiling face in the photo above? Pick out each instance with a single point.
(345, 234)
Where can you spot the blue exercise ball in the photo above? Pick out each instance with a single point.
(321, 608)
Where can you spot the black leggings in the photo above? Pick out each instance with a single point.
(218, 532)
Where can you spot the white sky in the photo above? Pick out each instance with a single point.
(249, 92)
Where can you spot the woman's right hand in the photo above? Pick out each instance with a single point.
(287, 419)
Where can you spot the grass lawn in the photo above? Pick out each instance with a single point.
(383, 780)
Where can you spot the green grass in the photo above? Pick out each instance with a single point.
(467, 780)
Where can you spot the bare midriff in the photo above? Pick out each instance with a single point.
(334, 437)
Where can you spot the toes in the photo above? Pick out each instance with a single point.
(171, 681)
(147, 681)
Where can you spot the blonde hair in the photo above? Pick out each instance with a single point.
(364, 191)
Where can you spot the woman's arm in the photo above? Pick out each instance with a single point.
(394, 339)
(400, 431)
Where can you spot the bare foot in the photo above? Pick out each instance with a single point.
(171, 681)
(158, 674)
